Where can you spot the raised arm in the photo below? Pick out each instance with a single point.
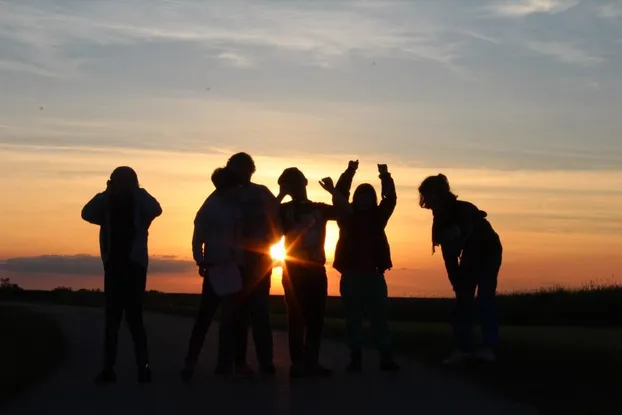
(150, 206)
(95, 210)
(344, 184)
(340, 203)
(388, 193)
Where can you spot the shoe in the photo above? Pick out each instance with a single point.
(456, 358)
(317, 370)
(187, 372)
(244, 370)
(144, 374)
(268, 370)
(106, 376)
(486, 355)
(297, 370)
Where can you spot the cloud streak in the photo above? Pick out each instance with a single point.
(84, 265)
(524, 8)
(565, 53)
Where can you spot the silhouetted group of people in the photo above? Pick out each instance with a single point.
(234, 230)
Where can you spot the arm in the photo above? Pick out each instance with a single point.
(150, 206)
(340, 207)
(451, 264)
(388, 194)
(95, 210)
(344, 184)
(271, 205)
(198, 235)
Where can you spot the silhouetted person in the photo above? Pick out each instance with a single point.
(124, 212)
(472, 252)
(260, 231)
(304, 273)
(362, 256)
(216, 242)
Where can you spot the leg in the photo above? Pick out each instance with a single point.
(487, 310)
(378, 308)
(314, 308)
(261, 324)
(463, 316)
(295, 321)
(354, 307)
(113, 294)
(226, 334)
(207, 310)
(136, 278)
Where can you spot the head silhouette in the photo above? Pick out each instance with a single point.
(365, 197)
(294, 183)
(435, 192)
(224, 180)
(242, 166)
(123, 180)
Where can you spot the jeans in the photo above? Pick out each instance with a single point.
(254, 306)
(483, 280)
(305, 296)
(207, 310)
(363, 292)
(124, 288)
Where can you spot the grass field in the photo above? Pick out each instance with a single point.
(31, 346)
(561, 349)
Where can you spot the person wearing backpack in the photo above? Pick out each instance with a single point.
(472, 253)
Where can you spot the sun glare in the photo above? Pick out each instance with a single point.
(278, 252)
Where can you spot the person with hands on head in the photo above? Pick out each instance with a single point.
(124, 212)
(304, 273)
(362, 256)
(472, 253)
(217, 251)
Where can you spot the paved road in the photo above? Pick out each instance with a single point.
(70, 390)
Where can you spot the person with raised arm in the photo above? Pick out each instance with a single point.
(362, 256)
(472, 253)
(124, 212)
(304, 274)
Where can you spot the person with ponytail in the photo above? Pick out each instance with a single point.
(472, 253)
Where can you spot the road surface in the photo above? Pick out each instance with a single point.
(70, 389)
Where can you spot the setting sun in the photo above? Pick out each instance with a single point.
(277, 251)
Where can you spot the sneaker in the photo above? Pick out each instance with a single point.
(187, 372)
(244, 370)
(106, 376)
(297, 370)
(317, 370)
(456, 358)
(486, 355)
(144, 374)
(268, 369)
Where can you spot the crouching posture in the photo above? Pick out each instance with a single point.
(362, 256)
(217, 250)
(472, 252)
(124, 212)
(304, 272)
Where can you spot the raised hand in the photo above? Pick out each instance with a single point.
(327, 184)
(353, 165)
(383, 169)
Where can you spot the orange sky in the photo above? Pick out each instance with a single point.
(557, 227)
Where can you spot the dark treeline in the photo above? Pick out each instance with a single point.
(599, 306)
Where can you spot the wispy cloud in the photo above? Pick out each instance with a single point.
(565, 53)
(610, 10)
(523, 8)
(235, 59)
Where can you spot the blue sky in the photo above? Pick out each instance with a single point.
(529, 84)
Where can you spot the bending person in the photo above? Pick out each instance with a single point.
(472, 253)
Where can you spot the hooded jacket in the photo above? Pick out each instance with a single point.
(146, 209)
